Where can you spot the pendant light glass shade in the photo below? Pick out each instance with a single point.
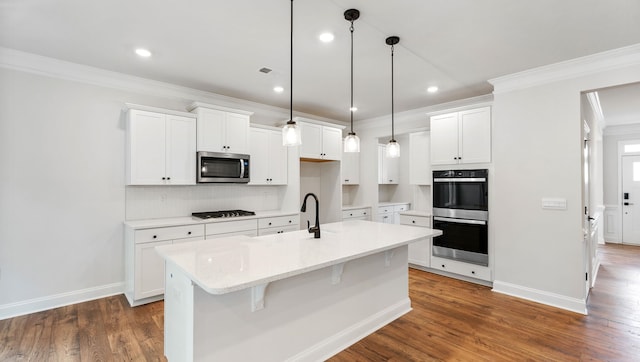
(351, 142)
(291, 132)
(393, 147)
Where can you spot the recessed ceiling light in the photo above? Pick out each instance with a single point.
(353, 109)
(326, 37)
(432, 89)
(143, 52)
(278, 89)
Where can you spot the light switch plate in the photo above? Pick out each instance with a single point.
(554, 203)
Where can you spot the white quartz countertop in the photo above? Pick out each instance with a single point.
(190, 220)
(392, 203)
(416, 213)
(225, 265)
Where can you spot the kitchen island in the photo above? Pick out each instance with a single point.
(285, 296)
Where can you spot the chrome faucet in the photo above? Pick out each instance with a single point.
(316, 228)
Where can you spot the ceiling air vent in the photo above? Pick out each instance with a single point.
(265, 70)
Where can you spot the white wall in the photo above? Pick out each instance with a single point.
(537, 149)
(62, 194)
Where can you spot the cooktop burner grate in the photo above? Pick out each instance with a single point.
(222, 213)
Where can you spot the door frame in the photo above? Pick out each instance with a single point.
(621, 152)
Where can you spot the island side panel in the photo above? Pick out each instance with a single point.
(305, 317)
(178, 314)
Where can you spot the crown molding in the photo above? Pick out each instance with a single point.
(55, 68)
(425, 112)
(609, 60)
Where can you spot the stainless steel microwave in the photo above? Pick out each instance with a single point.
(222, 167)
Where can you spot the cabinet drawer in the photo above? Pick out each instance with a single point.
(423, 221)
(385, 209)
(347, 214)
(277, 230)
(276, 221)
(456, 267)
(251, 233)
(230, 227)
(168, 233)
(400, 208)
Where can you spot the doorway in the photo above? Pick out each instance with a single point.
(631, 199)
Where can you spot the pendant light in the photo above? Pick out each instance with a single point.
(393, 147)
(351, 142)
(291, 132)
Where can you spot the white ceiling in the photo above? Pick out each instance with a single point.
(219, 46)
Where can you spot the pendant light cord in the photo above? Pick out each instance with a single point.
(392, 110)
(351, 109)
(291, 73)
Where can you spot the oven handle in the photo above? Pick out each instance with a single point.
(462, 179)
(241, 168)
(460, 221)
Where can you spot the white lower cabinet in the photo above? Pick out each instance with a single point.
(460, 268)
(144, 267)
(419, 252)
(390, 214)
(216, 230)
(363, 213)
(278, 224)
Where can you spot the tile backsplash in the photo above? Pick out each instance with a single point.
(152, 202)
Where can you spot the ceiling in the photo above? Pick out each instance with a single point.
(219, 46)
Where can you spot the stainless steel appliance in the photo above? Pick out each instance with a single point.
(222, 167)
(460, 210)
(222, 213)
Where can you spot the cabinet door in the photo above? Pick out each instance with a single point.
(444, 139)
(350, 167)
(149, 270)
(419, 159)
(259, 152)
(475, 135)
(391, 170)
(146, 147)
(211, 130)
(181, 150)
(278, 159)
(237, 131)
(331, 143)
(381, 164)
(311, 146)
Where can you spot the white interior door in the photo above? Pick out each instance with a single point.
(631, 200)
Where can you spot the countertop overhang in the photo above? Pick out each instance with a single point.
(225, 265)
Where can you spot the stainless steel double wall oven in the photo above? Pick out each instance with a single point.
(460, 210)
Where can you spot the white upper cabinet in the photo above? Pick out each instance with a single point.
(161, 147)
(268, 157)
(461, 137)
(388, 168)
(222, 129)
(350, 168)
(320, 142)
(419, 165)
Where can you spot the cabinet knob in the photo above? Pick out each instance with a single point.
(413, 221)
(443, 265)
(364, 213)
(168, 178)
(346, 180)
(473, 272)
(155, 236)
(289, 221)
(189, 233)
(350, 214)
(269, 223)
(164, 178)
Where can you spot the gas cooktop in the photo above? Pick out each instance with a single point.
(222, 213)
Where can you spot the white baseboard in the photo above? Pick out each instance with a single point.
(541, 296)
(59, 300)
(324, 349)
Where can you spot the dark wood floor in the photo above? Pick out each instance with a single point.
(451, 320)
